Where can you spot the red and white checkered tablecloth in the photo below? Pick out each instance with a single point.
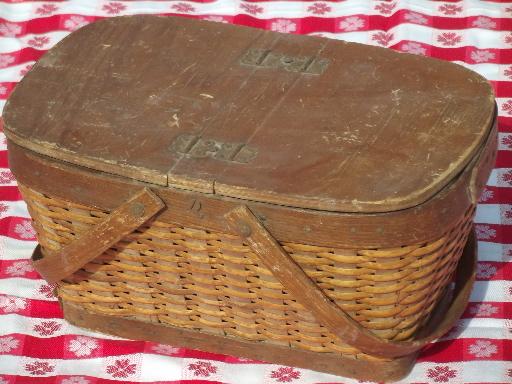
(38, 346)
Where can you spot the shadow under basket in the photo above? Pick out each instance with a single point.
(211, 291)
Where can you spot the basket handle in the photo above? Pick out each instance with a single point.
(309, 295)
(123, 220)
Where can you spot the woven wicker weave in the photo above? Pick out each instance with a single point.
(169, 274)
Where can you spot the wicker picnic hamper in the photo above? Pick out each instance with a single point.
(285, 198)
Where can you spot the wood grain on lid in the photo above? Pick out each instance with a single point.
(285, 119)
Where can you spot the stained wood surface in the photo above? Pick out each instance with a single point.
(422, 223)
(173, 102)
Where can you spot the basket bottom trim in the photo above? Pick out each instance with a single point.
(332, 363)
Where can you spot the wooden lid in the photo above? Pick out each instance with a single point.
(286, 119)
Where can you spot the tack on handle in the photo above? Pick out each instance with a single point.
(120, 222)
(328, 313)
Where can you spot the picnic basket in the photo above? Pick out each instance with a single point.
(285, 198)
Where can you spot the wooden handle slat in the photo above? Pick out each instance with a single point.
(309, 295)
(89, 245)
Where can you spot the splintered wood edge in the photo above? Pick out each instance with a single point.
(191, 184)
